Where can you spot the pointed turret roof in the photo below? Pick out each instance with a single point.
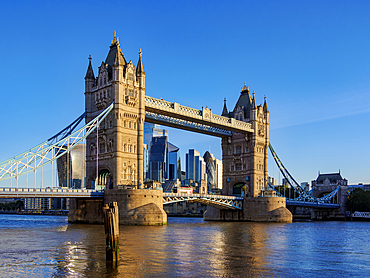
(225, 113)
(140, 67)
(115, 53)
(119, 59)
(265, 109)
(254, 106)
(90, 72)
(244, 101)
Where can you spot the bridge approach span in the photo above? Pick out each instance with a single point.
(218, 201)
(50, 193)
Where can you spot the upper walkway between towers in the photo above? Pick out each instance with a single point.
(203, 121)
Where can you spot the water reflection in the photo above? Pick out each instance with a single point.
(50, 247)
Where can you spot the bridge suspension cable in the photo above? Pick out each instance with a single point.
(51, 149)
(303, 195)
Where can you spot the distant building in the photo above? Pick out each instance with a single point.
(209, 160)
(272, 181)
(195, 166)
(218, 164)
(158, 158)
(150, 131)
(164, 160)
(213, 171)
(71, 168)
(39, 204)
(365, 187)
(173, 162)
(305, 186)
(153, 130)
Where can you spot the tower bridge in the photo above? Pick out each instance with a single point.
(116, 108)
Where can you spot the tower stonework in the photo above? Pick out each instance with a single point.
(115, 150)
(245, 157)
(114, 154)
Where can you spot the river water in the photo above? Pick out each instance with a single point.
(47, 246)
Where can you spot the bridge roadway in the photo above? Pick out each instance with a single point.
(219, 201)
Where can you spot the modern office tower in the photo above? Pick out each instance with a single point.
(164, 160)
(218, 164)
(195, 166)
(153, 130)
(209, 159)
(71, 168)
(173, 162)
(150, 131)
(158, 158)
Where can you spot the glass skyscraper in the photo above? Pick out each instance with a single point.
(71, 168)
(210, 160)
(195, 166)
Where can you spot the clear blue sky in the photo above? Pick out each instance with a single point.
(310, 58)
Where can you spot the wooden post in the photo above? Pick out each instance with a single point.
(111, 225)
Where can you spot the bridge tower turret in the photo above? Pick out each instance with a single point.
(245, 156)
(115, 152)
(89, 84)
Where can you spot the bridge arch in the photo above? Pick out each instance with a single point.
(104, 178)
(240, 189)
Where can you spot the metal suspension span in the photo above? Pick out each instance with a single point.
(51, 149)
(303, 195)
(218, 201)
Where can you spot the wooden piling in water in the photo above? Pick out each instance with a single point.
(111, 225)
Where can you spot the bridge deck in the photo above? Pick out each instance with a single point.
(220, 201)
(311, 204)
(49, 192)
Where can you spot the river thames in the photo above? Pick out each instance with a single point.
(47, 246)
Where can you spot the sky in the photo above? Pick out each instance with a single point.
(310, 58)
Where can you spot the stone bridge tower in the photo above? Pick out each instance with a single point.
(245, 157)
(114, 153)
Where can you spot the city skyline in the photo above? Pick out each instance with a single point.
(310, 59)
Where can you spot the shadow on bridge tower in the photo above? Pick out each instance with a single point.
(114, 152)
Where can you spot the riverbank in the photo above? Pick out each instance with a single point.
(56, 213)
